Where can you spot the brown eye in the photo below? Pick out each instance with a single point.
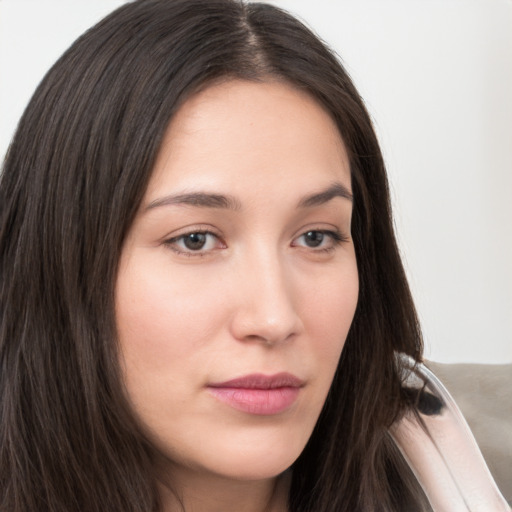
(194, 241)
(313, 238)
(319, 240)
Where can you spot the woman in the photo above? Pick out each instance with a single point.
(201, 292)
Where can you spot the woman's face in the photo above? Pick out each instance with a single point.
(238, 280)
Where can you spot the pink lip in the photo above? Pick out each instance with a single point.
(259, 394)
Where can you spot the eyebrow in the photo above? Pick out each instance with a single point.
(335, 190)
(208, 200)
(200, 199)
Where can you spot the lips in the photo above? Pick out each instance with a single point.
(259, 394)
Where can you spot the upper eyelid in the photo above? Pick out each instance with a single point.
(187, 230)
(330, 229)
(335, 235)
(210, 231)
(196, 231)
(192, 232)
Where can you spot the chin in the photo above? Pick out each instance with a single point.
(251, 461)
(257, 461)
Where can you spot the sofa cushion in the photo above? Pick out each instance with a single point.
(484, 395)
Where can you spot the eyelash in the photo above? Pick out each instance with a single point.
(190, 253)
(336, 237)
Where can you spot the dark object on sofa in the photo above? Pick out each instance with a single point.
(484, 395)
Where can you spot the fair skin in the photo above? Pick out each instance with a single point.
(238, 275)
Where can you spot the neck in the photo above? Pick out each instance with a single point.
(210, 493)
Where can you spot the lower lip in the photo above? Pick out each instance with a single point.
(263, 402)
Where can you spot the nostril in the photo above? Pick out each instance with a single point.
(268, 341)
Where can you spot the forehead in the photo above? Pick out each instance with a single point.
(248, 134)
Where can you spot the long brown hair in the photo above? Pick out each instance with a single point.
(72, 181)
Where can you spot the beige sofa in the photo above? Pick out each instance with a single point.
(484, 395)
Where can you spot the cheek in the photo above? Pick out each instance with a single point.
(163, 341)
(159, 317)
(329, 308)
(328, 305)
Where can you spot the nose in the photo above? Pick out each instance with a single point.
(266, 306)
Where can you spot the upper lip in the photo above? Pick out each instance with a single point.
(261, 381)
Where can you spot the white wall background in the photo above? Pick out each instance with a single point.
(437, 78)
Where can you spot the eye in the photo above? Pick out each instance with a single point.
(195, 243)
(313, 238)
(319, 239)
